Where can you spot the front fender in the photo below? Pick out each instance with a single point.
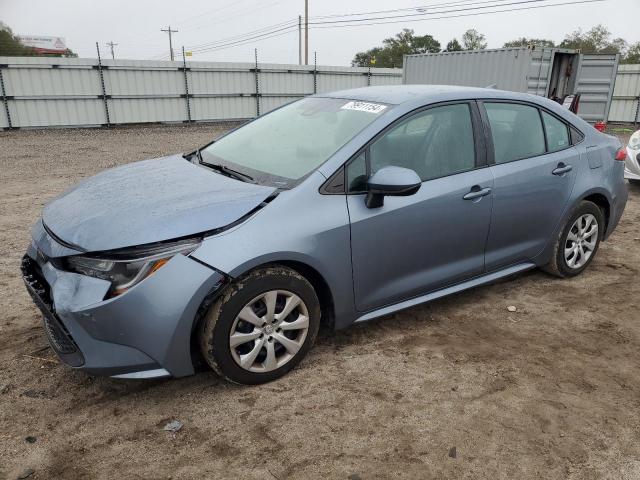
(300, 225)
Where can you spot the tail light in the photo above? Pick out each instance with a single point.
(621, 154)
(600, 126)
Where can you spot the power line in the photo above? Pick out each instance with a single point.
(266, 32)
(208, 12)
(475, 14)
(306, 32)
(263, 30)
(411, 15)
(406, 9)
(246, 41)
(169, 31)
(111, 45)
(204, 23)
(230, 42)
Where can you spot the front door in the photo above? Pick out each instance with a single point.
(436, 237)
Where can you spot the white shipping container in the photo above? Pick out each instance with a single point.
(548, 72)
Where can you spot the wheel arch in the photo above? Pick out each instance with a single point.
(308, 271)
(601, 199)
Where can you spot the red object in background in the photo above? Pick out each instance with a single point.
(600, 126)
(621, 154)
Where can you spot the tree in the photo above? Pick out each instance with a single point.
(10, 46)
(453, 46)
(394, 48)
(525, 42)
(633, 54)
(596, 40)
(473, 40)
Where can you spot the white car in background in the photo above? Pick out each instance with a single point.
(632, 163)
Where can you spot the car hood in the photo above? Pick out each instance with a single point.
(149, 201)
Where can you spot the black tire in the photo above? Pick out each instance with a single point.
(634, 182)
(215, 329)
(558, 265)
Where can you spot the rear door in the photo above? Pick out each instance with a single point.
(436, 237)
(595, 82)
(534, 172)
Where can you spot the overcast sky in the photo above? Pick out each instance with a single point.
(135, 25)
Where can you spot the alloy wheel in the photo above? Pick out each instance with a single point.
(581, 241)
(269, 330)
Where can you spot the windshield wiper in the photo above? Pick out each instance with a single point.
(229, 172)
(223, 169)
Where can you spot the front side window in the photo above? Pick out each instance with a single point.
(557, 133)
(516, 130)
(286, 144)
(434, 143)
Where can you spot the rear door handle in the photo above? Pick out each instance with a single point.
(561, 169)
(477, 192)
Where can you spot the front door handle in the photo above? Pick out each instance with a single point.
(477, 192)
(561, 169)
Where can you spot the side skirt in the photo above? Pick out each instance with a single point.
(475, 282)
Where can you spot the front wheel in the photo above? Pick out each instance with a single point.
(262, 327)
(578, 241)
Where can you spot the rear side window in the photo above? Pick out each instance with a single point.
(557, 133)
(516, 130)
(576, 136)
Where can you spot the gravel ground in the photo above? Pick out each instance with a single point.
(459, 388)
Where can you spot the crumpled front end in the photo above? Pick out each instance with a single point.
(142, 333)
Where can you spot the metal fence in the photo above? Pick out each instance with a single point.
(625, 106)
(45, 92)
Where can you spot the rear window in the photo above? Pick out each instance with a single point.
(516, 130)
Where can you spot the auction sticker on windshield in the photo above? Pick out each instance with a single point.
(364, 107)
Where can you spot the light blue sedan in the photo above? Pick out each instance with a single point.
(337, 208)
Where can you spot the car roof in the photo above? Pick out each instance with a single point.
(398, 94)
(415, 96)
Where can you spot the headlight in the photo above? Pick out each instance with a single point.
(634, 141)
(128, 267)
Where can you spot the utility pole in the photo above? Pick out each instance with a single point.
(306, 32)
(299, 39)
(111, 44)
(169, 31)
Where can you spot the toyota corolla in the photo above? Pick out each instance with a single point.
(337, 208)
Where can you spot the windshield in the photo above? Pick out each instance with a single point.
(286, 144)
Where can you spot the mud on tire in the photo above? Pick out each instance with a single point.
(221, 321)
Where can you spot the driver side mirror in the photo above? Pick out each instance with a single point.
(391, 181)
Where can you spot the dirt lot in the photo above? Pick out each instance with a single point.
(459, 388)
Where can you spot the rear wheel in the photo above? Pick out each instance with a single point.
(261, 327)
(578, 241)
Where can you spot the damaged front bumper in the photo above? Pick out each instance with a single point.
(143, 333)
